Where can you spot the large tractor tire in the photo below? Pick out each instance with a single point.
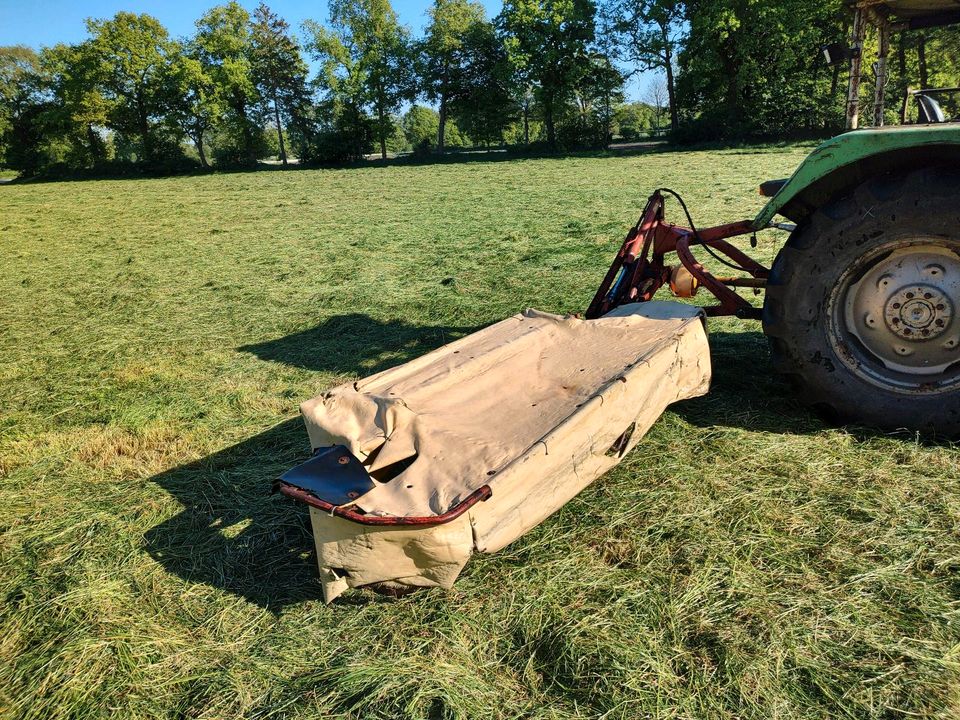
(863, 305)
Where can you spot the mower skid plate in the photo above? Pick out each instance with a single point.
(470, 446)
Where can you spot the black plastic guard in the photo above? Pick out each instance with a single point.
(332, 474)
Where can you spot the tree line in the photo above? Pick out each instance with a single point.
(543, 74)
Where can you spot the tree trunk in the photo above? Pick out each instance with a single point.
(904, 81)
(442, 128)
(240, 106)
(198, 141)
(276, 116)
(879, 95)
(382, 132)
(853, 89)
(607, 121)
(548, 122)
(526, 122)
(922, 60)
(668, 67)
(97, 153)
(143, 123)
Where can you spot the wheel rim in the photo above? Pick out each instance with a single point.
(895, 316)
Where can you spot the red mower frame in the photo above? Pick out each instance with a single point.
(639, 270)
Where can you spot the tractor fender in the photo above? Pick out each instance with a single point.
(842, 163)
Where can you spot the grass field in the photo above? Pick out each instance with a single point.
(156, 337)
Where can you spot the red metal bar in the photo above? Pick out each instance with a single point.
(668, 234)
(730, 302)
(654, 239)
(341, 511)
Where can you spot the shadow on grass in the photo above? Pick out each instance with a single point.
(355, 344)
(232, 533)
(746, 393)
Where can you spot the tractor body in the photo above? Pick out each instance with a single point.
(862, 304)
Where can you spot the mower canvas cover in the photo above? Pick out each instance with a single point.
(470, 446)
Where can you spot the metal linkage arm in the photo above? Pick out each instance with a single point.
(638, 270)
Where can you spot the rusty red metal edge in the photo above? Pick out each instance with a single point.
(344, 512)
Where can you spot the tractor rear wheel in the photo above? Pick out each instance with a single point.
(863, 304)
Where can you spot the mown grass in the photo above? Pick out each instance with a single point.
(746, 561)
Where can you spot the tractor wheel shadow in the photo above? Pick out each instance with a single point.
(746, 392)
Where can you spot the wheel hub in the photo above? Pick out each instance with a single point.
(918, 312)
(901, 312)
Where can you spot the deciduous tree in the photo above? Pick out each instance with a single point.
(368, 60)
(225, 45)
(446, 54)
(279, 71)
(198, 103)
(548, 42)
(132, 61)
(648, 34)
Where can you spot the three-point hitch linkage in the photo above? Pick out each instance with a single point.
(639, 269)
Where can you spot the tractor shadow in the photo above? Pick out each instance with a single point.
(747, 393)
(232, 534)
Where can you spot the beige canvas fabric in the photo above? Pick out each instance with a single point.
(529, 406)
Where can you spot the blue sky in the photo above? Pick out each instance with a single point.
(46, 22)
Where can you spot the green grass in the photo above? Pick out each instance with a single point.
(156, 337)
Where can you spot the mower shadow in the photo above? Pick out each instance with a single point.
(232, 534)
(355, 344)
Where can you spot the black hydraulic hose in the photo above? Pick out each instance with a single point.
(696, 235)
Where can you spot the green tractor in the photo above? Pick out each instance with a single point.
(862, 304)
